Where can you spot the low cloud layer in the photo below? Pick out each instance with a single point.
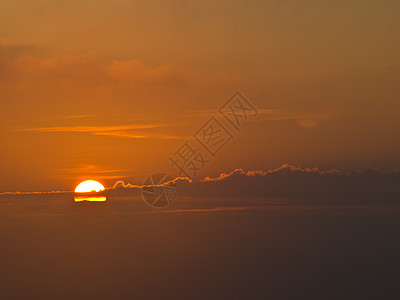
(303, 185)
(290, 184)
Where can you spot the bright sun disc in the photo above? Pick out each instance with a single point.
(89, 186)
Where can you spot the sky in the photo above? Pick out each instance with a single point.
(110, 90)
(277, 121)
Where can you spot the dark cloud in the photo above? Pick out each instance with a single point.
(302, 185)
(12, 49)
(290, 183)
(286, 183)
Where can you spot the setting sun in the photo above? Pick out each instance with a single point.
(89, 186)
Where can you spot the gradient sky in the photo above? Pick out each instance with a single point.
(110, 89)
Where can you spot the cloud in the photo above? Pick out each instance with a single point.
(305, 119)
(283, 170)
(78, 117)
(207, 210)
(9, 49)
(121, 131)
(135, 70)
(83, 170)
(121, 186)
(292, 184)
(20, 63)
(35, 193)
(302, 185)
(287, 184)
(92, 128)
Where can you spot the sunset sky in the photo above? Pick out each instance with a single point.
(270, 130)
(110, 89)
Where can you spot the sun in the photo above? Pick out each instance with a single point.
(89, 186)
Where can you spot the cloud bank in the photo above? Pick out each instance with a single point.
(288, 183)
(304, 185)
(291, 183)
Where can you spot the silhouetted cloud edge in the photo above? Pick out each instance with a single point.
(296, 184)
(293, 183)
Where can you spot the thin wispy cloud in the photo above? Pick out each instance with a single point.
(91, 169)
(121, 134)
(305, 119)
(92, 129)
(207, 210)
(35, 193)
(120, 131)
(78, 117)
(21, 60)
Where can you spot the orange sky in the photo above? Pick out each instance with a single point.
(111, 89)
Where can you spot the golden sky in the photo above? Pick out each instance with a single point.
(110, 89)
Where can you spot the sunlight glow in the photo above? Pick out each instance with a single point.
(90, 199)
(89, 186)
